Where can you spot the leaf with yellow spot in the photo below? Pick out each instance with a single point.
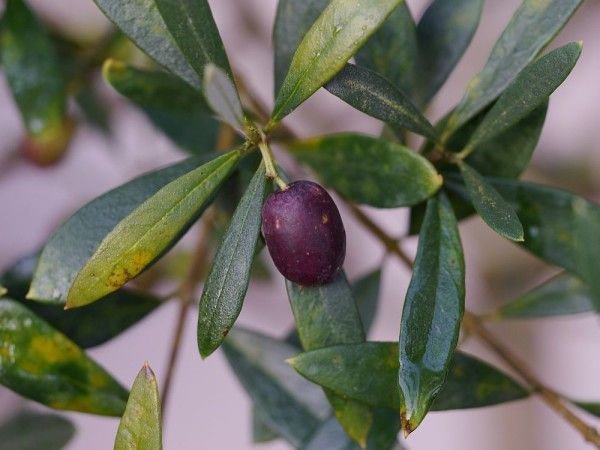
(140, 427)
(149, 231)
(41, 364)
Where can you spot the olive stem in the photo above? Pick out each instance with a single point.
(270, 168)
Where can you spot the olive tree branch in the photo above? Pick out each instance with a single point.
(473, 325)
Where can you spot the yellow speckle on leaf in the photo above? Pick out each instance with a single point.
(51, 351)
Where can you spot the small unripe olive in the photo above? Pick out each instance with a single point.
(304, 233)
(47, 148)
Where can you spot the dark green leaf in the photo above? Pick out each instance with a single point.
(393, 51)
(172, 105)
(29, 430)
(149, 230)
(193, 28)
(533, 25)
(261, 432)
(94, 110)
(342, 28)
(591, 407)
(227, 282)
(550, 218)
(587, 229)
(493, 209)
(222, 96)
(289, 405)
(390, 175)
(76, 240)
(327, 315)
(143, 24)
(377, 97)
(117, 312)
(140, 426)
(293, 20)
(366, 293)
(443, 34)
(39, 363)
(508, 154)
(561, 295)
(368, 372)
(530, 89)
(33, 71)
(432, 312)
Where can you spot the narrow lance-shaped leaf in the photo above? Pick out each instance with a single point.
(432, 313)
(532, 26)
(292, 21)
(342, 28)
(140, 426)
(41, 364)
(399, 178)
(227, 282)
(172, 105)
(493, 209)
(368, 372)
(72, 245)
(393, 51)
(443, 34)
(33, 71)
(561, 295)
(223, 97)
(366, 292)
(550, 218)
(528, 91)
(150, 230)
(28, 430)
(588, 246)
(289, 405)
(117, 312)
(142, 23)
(377, 97)
(193, 28)
(327, 315)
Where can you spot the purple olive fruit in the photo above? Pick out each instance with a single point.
(304, 233)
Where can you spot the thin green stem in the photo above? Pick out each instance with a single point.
(270, 164)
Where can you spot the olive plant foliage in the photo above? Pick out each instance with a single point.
(325, 385)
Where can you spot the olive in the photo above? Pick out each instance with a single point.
(304, 233)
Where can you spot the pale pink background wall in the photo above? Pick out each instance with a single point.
(208, 408)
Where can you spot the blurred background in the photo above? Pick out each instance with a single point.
(208, 408)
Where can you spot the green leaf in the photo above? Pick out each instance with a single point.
(390, 175)
(33, 71)
(141, 21)
(75, 241)
(443, 34)
(223, 98)
(41, 364)
(493, 209)
(289, 405)
(193, 28)
(377, 97)
(432, 312)
(227, 282)
(508, 154)
(171, 105)
(149, 231)
(550, 218)
(342, 28)
(140, 426)
(591, 407)
(28, 430)
(587, 245)
(532, 26)
(368, 372)
(530, 89)
(3, 291)
(261, 433)
(327, 315)
(393, 51)
(95, 111)
(366, 293)
(117, 312)
(292, 21)
(561, 295)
